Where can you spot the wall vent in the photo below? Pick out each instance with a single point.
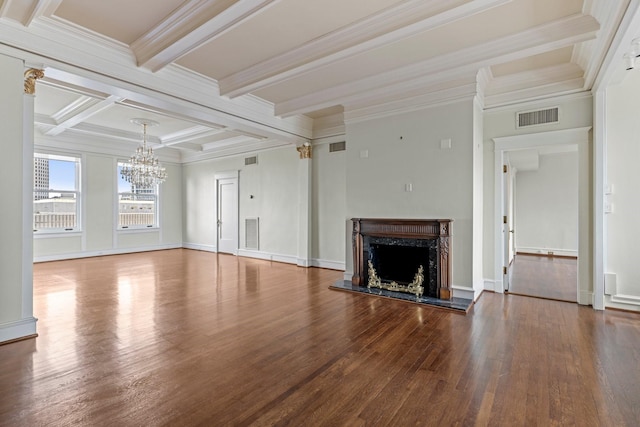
(538, 117)
(251, 233)
(337, 146)
(251, 160)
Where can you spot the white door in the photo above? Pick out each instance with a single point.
(228, 215)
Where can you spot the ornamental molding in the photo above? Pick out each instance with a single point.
(30, 77)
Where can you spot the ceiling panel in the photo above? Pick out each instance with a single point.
(49, 100)
(547, 59)
(122, 20)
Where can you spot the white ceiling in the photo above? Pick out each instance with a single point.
(227, 76)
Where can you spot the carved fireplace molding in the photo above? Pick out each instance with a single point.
(438, 230)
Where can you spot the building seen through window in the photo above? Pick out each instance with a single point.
(137, 207)
(56, 193)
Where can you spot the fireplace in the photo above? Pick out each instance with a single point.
(396, 254)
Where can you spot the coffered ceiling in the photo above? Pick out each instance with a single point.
(229, 76)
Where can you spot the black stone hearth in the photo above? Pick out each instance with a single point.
(458, 305)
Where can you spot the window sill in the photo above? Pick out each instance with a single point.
(56, 233)
(138, 230)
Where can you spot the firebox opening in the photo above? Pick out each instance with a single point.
(398, 263)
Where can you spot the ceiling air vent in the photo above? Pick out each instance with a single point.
(538, 117)
(337, 146)
(251, 160)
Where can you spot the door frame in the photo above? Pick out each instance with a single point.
(587, 286)
(220, 176)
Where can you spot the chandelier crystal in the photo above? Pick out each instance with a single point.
(143, 170)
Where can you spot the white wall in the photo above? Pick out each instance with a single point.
(99, 235)
(405, 149)
(273, 183)
(623, 174)
(329, 206)
(546, 206)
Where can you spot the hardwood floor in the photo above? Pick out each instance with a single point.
(544, 277)
(186, 338)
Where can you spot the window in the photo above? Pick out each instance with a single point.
(56, 193)
(137, 207)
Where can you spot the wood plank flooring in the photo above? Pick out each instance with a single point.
(188, 338)
(544, 277)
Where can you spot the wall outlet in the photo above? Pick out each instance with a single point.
(364, 154)
(408, 187)
(445, 144)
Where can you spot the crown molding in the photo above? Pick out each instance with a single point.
(407, 105)
(591, 54)
(326, 126)
(190, 26)
(392, 24)
(538, 103)
(612, 69)
(537, 94)
(543, 38)
(235, 150)
(534, 78)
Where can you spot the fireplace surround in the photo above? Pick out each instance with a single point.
(398, 247)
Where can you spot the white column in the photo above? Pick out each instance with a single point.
(16, 188)
(304, 205)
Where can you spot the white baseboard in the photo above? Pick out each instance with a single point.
(464, 292)
(198, 247)
(626, 299)
(545, 251)
(23, 328)
(288, 259)
(89, 254)
(331, 265)
(489, 285)
(585, 297)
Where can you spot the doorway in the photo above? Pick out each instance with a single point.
(542, 212)
(542, 142)
(227, 212)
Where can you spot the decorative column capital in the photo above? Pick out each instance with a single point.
(305, 151)
(30, 77)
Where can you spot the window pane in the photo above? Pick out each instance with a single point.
(136, 210)
(56, 192)
(136, 206)
(54, 210)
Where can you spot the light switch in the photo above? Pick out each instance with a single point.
(445, 143)
(364, 154)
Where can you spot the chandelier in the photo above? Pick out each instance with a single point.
(143, 169)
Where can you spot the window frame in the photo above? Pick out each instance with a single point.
(135, 227)
(77, 159)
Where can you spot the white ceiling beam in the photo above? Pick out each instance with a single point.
(27, 11)
(42, 8)
(181, 144)
(532, 93)
(540, 39)
(389, 26)
(187, 135)
(190, 26)
(225, 142)
(82, 113)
